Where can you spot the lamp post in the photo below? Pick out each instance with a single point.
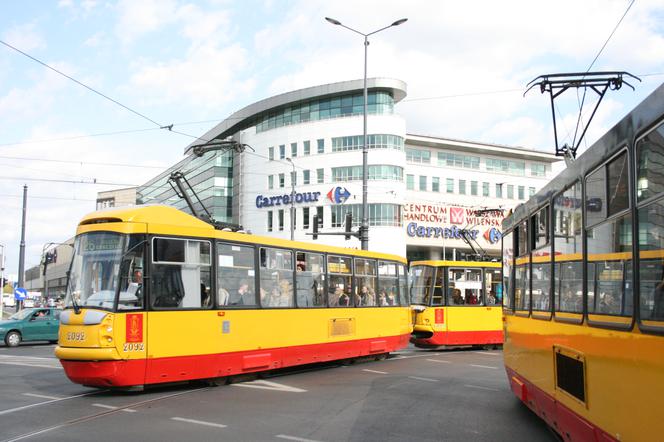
(292, 200)
(364, 227)
(2, 282)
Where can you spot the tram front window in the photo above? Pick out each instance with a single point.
(101, 262)
(422, 281)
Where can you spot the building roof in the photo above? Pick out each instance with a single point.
(239, 119)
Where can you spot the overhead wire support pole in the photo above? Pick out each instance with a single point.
(557, 84)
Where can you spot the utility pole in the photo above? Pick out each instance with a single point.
(292, 201)
(21, 254)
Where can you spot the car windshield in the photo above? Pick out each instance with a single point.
(104, 264)
(421, 284)
(22, 314)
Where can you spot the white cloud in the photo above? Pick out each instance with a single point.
(142, 17)
(24, 37)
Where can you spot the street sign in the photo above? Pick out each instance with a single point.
(20, 293)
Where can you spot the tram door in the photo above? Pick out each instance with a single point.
(438, 301)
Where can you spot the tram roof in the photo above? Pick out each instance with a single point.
(167, 220)
(631, 127)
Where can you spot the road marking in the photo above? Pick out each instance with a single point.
(267, 385)
(484, 366)
(480, 387)
(111, 407)
(439, 360)
(374, 371)
(488, 353)
(30, 361)
(42, 396)
(300, 439)
(193, 421)
(423, 379)
(13, 410)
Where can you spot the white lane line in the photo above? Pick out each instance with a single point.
(488, 353)
(423, 379)
(299, 439)
(439, 360)
(484, 366)
(374, 371)
(29, 365)
(111, 407)
(267, 385)
(193, 421)
(42, 396)
(13, 410)
(480, 387)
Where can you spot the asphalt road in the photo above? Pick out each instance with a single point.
(415, 395)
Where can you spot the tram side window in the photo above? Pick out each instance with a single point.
(181, 275)
(131, 275)
(541, 256)
(340, 281)
(365, 282)
(651, 252)
(650, 173)
(236, 275)
(610, 267)
(439, 286)
(508, 275)
(494, 287)
(522, 270)
(404, 298)
(388, 292)
(276, 277)
(421, 285)
(568, 246)
(310, 280)
(465, 287)
(596, 197)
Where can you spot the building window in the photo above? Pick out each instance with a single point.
(307, 148)
(319, 214)
(506, 166)
(462, 187)
(531, 192)
(510, 191)
(282, 180)
(379, 214)
(293, 149)
(537, 169)
(499, 190)
(281, 220)
(456, 160)
(377, 141)
(269, 221)
(321, 146)
(375, 172)
(485, 189)
(435, 184)
(306, 177)
(104, 203)
(305, 218)
(320, 176)
(450, 185)
(418, 156)
(270, 182)
(423, 183)
(282, 152)
(473, 188)
(271, 153)
(522, 193)
(410, 182)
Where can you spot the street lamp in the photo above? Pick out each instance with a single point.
(2, 281)
(364, 227)
(292, 201)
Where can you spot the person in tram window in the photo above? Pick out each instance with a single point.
(243, 294)
(456, 296)
(382, 298)
(492, 298)
(223, 296)
(341, 296)
(470, 297)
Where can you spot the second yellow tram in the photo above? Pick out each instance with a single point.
(456, 303)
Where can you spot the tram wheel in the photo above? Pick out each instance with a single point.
(217, 382)
(382, 356)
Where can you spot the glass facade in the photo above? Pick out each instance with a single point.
(325, 108)
(376, 141)
(457, 160)
(506, 166)
(418, 156)
(379, 214)
(376, 172)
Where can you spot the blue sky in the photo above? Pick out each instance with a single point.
(193, 63)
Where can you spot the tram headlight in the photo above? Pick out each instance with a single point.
(110, 339)
(109, 329)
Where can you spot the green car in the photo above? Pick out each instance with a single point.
(31, 324)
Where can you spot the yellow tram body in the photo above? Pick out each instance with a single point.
(438, 320)
(112, 347)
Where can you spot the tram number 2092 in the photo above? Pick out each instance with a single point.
(133, 346)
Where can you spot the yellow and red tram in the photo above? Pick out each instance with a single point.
(456, 303)
(156, 295)
(583, 270)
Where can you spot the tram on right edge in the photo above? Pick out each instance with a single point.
(583, 273)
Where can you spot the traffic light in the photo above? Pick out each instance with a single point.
(315, 235)
(348, 224)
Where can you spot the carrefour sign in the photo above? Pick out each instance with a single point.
(293, 197)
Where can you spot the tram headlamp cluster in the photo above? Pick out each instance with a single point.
(109, 329)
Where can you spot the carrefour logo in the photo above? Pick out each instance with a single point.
(492, 235)
(338, 195)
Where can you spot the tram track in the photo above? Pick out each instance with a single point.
(101, 414)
